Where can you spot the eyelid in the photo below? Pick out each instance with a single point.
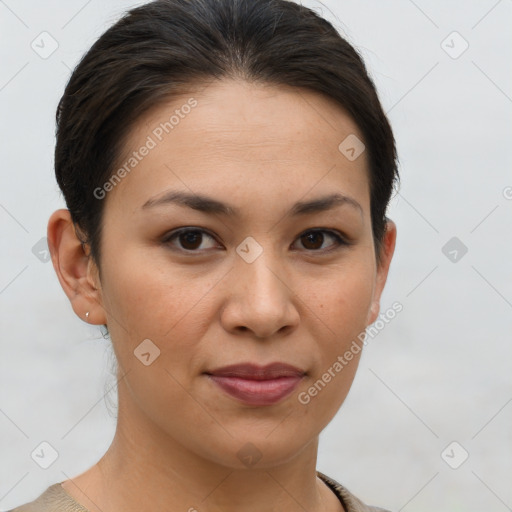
(341, 239)
(177, 232)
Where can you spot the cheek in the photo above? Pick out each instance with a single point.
(170, 310)
(146, 300)
(340, 308)
(151, 296)
(342, 302)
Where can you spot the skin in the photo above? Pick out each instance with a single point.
(260, 149)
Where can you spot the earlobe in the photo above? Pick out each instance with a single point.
(373, 313)
(387, 251)
(74, 268)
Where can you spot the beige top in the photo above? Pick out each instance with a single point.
(56, 499)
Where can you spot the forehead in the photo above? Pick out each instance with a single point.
(249, 137)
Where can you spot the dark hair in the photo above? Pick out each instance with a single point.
(166, 47)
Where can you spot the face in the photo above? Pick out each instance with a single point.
(275, 264)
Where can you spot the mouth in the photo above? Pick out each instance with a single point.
(257, 385)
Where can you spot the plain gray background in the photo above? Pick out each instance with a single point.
(438, 373)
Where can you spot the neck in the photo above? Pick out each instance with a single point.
(145, 468)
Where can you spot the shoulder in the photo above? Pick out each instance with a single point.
(53, 499)
(349, 501)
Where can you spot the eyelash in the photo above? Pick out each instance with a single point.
(340, 241)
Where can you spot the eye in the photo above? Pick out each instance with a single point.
(190, 239)
(313, 240)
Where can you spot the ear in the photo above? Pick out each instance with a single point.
(78, 274)
(387, 250)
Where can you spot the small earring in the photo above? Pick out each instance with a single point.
(87, 316)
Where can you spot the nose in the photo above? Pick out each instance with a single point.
(260, 299)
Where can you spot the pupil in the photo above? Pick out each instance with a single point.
(310, 237)
(192, 238)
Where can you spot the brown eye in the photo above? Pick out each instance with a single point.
(314, 240)
(189, 239)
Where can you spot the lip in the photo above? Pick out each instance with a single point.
(257, 385)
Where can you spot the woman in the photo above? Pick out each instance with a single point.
(227, 166)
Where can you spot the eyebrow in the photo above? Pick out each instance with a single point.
(210, 205)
